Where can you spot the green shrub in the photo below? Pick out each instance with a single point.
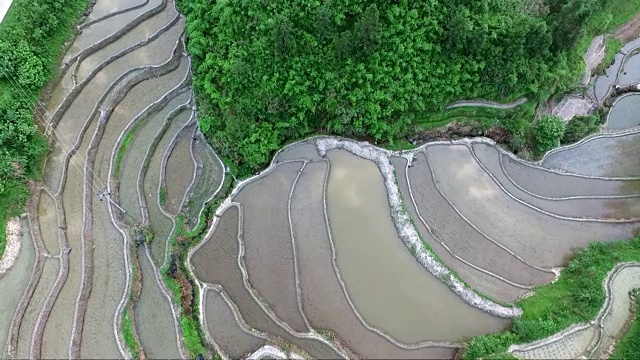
(579, 127)
(192, 337)
(127, 333)
(547, 133)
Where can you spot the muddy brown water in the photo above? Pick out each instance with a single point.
(624, 113)
(160, 224)
(267, 239)
(14, 282)
(624, 208)
(49, 273)
(154, 319)
(465, 241)
(606, 156)
(537, 180)
(216, 262)
(134, 157)
(522, 229)
(225, 331)
(390, 289)
(179, 171)
(322, 297)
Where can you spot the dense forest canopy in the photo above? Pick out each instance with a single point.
(270, 71)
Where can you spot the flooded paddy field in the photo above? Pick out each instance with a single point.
(601, 208)
(135, 155)
(517, 226)
(160, 222)
(209, 178)
(477, 277)
(592, 340)
(179, 170)
(118, 79)
(479, 259)
(103, 9)
(606, 156)
(225, 330)
(535, 180)
(267, 242)
(216, 263)
(624, 112)
(370, 256)
(154, 319)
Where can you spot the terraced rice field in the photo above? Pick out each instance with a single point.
(338, 249)
(114, 121)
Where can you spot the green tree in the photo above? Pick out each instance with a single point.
(547, 133)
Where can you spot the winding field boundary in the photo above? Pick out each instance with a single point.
(596, 323)
(486, 104)
(110, 15)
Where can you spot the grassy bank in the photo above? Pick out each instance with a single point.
(31, 39)
(629, 346)
(576, 297)
(181, 286)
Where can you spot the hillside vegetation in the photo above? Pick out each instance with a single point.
(267, 72)
(31, 36)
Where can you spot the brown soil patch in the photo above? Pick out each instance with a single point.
(457, 130)
(186, 293)
(629, 31)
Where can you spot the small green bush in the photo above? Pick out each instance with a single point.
(547, 133)
(579, 127)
